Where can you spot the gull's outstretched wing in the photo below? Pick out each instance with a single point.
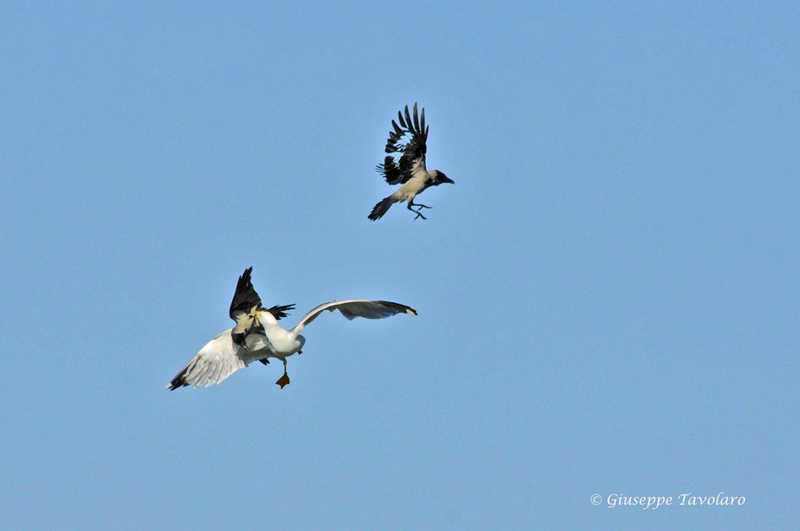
(356, 308)
(413, 152)
(220, 358)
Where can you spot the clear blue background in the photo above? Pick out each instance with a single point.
(608, 296)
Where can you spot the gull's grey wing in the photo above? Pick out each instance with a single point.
(356, 308)
(217, 360)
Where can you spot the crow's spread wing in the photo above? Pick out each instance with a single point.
(245, 296)
(413, 151)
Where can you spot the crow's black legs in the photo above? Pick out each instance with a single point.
(418, 211)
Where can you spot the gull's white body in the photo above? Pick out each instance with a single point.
(277, 341)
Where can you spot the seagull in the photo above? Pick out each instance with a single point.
(257, 335)
(410, 170)
(227, 353)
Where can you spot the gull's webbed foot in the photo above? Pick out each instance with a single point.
(283, 381)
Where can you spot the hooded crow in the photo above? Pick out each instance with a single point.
(410, 170)
(258, 336)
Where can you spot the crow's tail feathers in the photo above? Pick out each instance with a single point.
(381, 208)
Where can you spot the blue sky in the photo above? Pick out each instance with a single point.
(607, 297)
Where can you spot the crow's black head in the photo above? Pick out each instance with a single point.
(441, 178)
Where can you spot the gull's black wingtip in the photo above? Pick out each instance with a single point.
(399, 308)
(178, 382)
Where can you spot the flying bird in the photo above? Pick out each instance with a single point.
(257, 335)
(227, 353)
(410, 170)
